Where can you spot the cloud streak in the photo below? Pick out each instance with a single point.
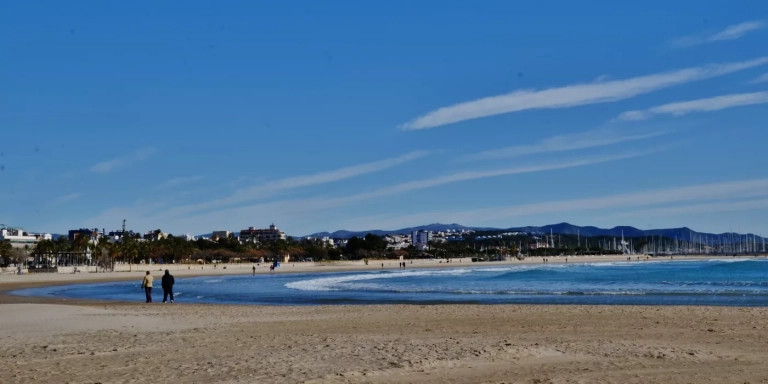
(270, 188)
(574, 95)
(120, 162)
(760, 79)
(328, 203)
(177, 181)
(332, 176)
(475, 175)
(570, 142)
(732, 32)
(302, 208)
(701, 105)
(69, 197)
(716, 194)
(711, 207)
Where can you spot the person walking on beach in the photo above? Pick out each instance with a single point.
(147, 285)
(167, 284)
(254, 270)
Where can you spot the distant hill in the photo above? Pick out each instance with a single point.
(436, 227)
(684, 233)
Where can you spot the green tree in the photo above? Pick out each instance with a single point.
(6, 251)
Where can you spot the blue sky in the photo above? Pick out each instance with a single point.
(200, 116)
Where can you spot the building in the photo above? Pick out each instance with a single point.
(115, 236)
(92, 234)
(420, 239)
(216, 235)
(19, 239)
(325, 240)
(255, 235)
(155, 235)
(396, 242)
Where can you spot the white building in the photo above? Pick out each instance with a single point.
(216, 235)
(19, 238)
(255, 235)
(397, 242)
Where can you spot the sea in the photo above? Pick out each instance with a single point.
(716, 282)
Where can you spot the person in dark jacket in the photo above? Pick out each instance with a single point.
(167, 283)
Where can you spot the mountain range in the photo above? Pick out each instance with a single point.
(683, 233)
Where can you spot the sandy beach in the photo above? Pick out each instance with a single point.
(49, 340)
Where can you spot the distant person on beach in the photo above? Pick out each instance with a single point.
(167, 284)
(146, 284)
(254, 270)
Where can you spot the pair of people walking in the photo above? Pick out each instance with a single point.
(167, 284)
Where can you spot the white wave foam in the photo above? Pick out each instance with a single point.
(612, 264)
(522, 268)
(336, 283)
(732, 260)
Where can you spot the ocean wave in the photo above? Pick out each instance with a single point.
(614, 263)
(747, 283)
(337, 283)
(731, 260)
(521, 268)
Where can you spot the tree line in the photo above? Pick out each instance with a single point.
(132, 249)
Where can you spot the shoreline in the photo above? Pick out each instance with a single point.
(12, 282)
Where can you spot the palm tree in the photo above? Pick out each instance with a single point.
(80, 245)
(43, 251)
(127, 250)
(101, 250)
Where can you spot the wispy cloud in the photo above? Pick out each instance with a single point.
(175, 182)
(331, 176)
(119, 162)
(305, 207)
(398, 189)
(574, 95)
(718, 194)
(69, 197)
(732, 32)
(760, 79)
(701, 105)
(709, 207)
(270, 188)
(570, 142)
(483, 174)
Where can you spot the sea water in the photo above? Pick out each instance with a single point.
(724, 282)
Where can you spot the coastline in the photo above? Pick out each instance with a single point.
(9, 282)
(52, 340)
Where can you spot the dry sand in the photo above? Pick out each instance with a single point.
(60, 341)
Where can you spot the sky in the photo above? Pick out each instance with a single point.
(320, 116)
